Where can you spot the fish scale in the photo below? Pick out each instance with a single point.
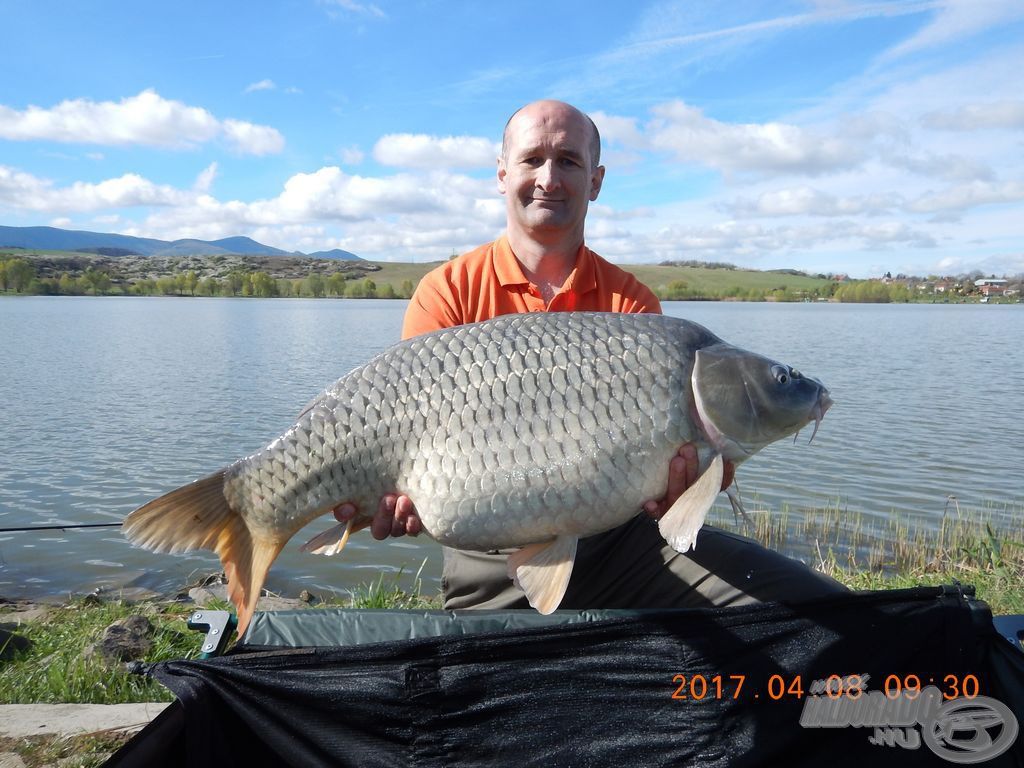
(521, 430)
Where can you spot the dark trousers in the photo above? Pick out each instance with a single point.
(632, 567)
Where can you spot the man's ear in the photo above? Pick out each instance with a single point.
(596, 180)
(502, 172)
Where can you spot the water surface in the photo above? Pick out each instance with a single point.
(109, 402)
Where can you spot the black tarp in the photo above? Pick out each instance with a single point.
(594, 694)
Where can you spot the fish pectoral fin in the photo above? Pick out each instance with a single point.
(542, 571)
(334, 539)
(680, 524)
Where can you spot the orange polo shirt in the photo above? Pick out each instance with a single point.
(488, 282)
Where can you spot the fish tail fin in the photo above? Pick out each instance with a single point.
(198, 516)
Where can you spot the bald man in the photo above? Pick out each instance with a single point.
(549, 172)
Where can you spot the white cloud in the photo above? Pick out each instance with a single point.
(365, 9)
(958, 20)
(760, 147)
(262, 85)
(24, 191)
(808, 201)
(146, 119)
(252, 139)
(408, 150)
(964, 196)
(1006, 114)
(205, 179)
(61, 222)
(404, 215)
(351, 155)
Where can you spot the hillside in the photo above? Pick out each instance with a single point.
(52, 238)
(669, 282)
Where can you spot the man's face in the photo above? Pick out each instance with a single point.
(546, 174)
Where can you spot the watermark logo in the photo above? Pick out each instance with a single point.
(961, 730)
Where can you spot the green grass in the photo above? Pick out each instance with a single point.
(54, 669)
(967, 547)
(718, 281)
(82, 751)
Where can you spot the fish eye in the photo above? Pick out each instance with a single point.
(782, 374)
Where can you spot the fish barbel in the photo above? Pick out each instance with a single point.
(529, 430)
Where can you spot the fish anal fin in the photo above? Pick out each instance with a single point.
(246, 561)
(334, 539)
(542, 571)
(679, 525)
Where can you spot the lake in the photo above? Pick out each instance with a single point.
(109, 402)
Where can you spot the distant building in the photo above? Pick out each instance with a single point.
(991, 288)
(990, 281)
(944, 286)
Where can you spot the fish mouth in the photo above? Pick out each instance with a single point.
(825, 402)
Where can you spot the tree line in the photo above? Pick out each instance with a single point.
(19, 275)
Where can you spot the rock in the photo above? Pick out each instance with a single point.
(11, 644)
(203, 596)
(11, 760)
(271, 603)
(23, 614)
(125, 640)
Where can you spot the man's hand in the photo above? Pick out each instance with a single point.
(682, 473)
(395, 516)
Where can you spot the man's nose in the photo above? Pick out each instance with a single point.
(548, 177)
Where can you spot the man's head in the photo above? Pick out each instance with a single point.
(549, 170)
(595, 135)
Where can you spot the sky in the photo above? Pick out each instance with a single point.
(831, 136)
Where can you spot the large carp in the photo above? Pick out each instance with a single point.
(528, 430)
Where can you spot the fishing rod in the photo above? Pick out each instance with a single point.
(59, 527)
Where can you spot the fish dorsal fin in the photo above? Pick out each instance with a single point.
(680, 524)
(542, 571)
(334, 539)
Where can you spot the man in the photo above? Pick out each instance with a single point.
(549, 171)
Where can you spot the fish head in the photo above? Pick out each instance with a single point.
(745, 401)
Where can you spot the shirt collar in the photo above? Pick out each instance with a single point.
(582, 279)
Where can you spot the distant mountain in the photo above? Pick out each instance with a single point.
(51, 238)
(246, 245)
(336, 253)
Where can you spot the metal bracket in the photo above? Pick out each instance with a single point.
(1012, 628)
(218, 626)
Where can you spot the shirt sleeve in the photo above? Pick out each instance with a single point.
(431, 308)
(638, 298)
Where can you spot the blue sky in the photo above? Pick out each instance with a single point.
(830, 136)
